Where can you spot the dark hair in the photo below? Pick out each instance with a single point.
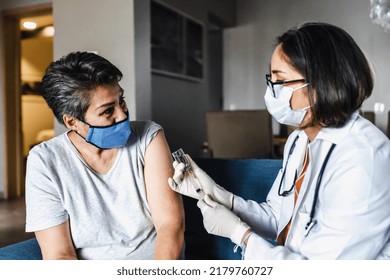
(336, 69)
(68, 82)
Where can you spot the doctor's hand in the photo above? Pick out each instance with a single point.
(186, 184)
(219, 220)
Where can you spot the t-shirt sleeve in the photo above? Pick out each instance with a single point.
(146, 131)
(44, 207)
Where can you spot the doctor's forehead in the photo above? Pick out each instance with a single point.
(280, 64)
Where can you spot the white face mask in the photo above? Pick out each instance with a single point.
(279, 106)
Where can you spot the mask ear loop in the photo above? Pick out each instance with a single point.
(307, 107)
(302, 86)
(80, 135)
(83, 121)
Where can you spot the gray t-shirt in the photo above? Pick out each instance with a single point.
(109, 214)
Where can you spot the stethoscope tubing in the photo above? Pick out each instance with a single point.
(285, 193)
(312, 221)
(318, 184)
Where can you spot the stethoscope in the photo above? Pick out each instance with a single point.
(312, 222)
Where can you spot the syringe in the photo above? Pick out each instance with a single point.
(180, 157)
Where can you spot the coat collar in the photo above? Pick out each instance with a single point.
(337, 135)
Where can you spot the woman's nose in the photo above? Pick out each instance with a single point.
(120, 113)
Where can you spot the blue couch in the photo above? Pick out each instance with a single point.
(248, 178)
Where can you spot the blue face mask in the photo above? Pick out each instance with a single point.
(111, 136)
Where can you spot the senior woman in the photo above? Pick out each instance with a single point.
(99, 190)
(331, 198)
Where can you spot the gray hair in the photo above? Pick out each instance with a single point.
(68, 82)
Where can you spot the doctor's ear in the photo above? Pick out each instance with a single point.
(70, 122)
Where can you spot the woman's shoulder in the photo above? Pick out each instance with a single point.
(142, 133)
(144, 127)
(50, 148)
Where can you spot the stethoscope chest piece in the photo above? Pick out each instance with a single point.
(309, 226)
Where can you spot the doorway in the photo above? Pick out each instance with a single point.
(23, 103)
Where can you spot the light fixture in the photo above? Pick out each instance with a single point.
(380, 13)
(29, 25)
(379, 107)
(48, 31)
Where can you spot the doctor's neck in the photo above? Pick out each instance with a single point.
(312, 132)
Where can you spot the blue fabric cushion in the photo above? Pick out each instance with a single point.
(25, 250)
(248, 178)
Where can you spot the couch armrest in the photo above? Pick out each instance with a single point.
(25, 250)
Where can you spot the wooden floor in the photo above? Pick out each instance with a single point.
(12, 222)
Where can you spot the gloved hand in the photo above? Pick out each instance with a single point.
(219, 220)
(186, 184)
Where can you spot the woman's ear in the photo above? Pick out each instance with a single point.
(70, 122)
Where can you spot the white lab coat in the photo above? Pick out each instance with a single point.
(353, 208)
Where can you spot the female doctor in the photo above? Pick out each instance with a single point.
(331, 198)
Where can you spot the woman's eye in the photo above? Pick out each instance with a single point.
(108, 111)
(121, 100)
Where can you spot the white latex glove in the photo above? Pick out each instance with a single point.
(186, 184)
(219, 220)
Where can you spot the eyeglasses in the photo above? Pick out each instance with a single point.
(271, 84)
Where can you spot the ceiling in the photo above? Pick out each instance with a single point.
(41, 21)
